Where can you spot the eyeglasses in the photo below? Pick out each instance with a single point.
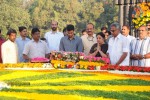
(112, 30)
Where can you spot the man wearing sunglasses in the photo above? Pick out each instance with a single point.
(140, 48)
(118, 47)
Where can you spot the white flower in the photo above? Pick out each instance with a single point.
(3, 85)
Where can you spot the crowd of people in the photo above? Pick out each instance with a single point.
(116, 44)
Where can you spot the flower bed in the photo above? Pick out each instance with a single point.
(126, 68)
(63, 85)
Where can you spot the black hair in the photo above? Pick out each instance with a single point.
(127, 26)
(109, 33)
(84, 30)
(70, 27)
(148, 22)
(65, 29)
(101, 34)
(0, 30)
(35, 30)
(11, 31)
(21, 28)
(103, 28)
(43, 39)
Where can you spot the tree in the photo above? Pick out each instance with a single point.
(12, 15)
(109, 15)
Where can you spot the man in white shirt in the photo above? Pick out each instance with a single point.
(53, 37)
(140, 49)
(35, 47)
(118, 47)
(9, 48)
(88, 39)
(125, 32)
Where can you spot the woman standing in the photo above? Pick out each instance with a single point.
(100, 48)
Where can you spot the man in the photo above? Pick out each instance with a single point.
(1, 42)
(53, 37)
(21, 41)
(118, 47)
(125, 32)
(89, 39)
(71, 42)
(35, 47)
(148, 26)
(140, 49)
(9, 48)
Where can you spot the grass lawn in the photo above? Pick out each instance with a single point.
(58, 85)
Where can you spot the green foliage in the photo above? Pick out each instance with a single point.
(133, 82)
(12, 15)
(39, 13)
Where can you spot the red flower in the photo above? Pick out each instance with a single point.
(69, 66)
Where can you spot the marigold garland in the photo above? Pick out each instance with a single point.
(141, 14)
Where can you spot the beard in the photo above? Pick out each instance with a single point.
(54, 28)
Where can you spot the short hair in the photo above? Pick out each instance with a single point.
(65, 29)
(35, 30)
(0, 30)
(146, 28)
(11, 31)
(127, 26)
(148, 22)
(108, 32)
(84, 30)
(101, 34)
(91, 24)
(70, 27)
(115, 24)
(21, 28)
(103, 28)
(43, 38)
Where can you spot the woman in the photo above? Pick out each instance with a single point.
(99, 49)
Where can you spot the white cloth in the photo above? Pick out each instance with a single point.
(140, 47)
(130, 38)
(36, 49)
(116, 47)
(88, 42)
(53, 40)
(9, 52)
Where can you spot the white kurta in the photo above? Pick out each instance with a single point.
(140, 47)
(9, 52)
(88, 43)
(116, 47)
(53, 40)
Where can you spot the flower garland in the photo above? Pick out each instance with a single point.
(141, 14)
